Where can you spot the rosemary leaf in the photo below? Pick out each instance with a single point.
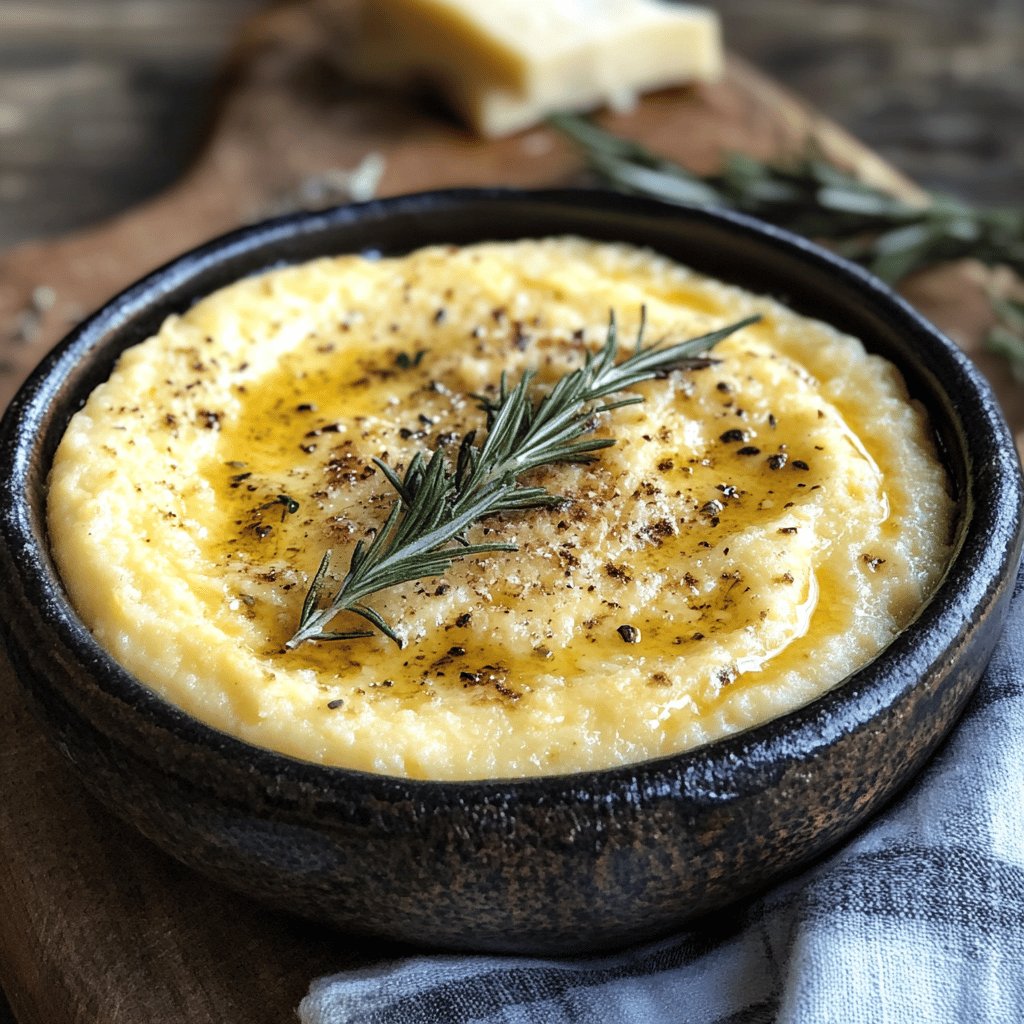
(1006, 337)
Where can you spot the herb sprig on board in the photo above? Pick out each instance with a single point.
(812, 197)
(1007, 337)
(438, 500)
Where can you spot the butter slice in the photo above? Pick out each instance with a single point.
(505, 64)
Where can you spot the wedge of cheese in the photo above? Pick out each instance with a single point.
(505, 64)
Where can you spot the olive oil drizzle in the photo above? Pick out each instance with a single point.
(438, 499)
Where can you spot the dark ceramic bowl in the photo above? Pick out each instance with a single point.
(557, 864)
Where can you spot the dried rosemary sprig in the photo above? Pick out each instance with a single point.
(424, 533)
(812, 197)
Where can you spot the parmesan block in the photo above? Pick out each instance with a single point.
(505, 64)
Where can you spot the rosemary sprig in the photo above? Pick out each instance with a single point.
(1006, 338)
(425, 531)
(812, 197)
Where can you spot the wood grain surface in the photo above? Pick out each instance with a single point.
(97, 927)
(103, 102)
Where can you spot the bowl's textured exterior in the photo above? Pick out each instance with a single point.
(556, 864)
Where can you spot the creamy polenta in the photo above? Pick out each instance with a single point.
(763, 525)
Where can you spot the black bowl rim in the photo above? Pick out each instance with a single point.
(723, 769)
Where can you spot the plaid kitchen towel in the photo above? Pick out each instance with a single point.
(920, 920)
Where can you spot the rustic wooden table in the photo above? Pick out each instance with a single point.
(103, 102)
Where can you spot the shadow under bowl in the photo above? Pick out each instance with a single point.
(558, 864)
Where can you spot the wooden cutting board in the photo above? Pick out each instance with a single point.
(95, 925)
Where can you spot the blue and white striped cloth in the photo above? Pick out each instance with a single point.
(919, 920)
